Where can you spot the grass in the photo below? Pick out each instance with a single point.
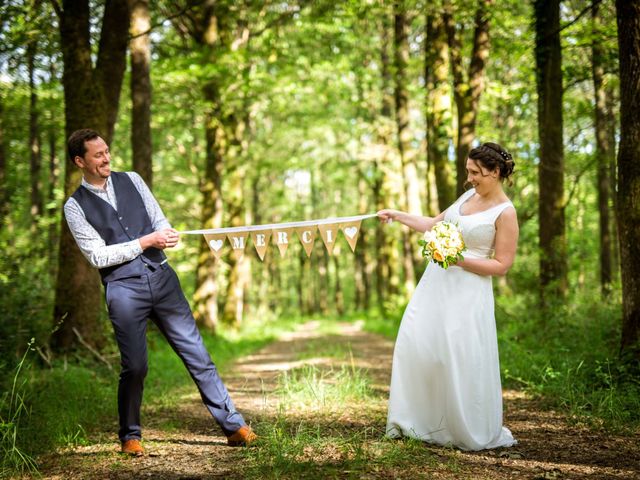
(318, 389)
(12, 412)
(292, 448)
(329, 423)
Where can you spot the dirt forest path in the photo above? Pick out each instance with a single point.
(182, 443)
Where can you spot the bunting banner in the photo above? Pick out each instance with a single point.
(281, 234)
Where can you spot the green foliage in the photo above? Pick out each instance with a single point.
(26, 292)
(12, 413)
(569, 357)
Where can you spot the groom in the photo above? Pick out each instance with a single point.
(121, 230)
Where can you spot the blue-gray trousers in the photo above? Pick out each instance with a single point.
(158, 296)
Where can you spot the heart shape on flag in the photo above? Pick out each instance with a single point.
(216, 244)
(350, 231)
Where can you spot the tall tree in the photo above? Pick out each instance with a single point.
(551, 204)
(4, 197)
(362, 273)
(628, 213)
(239, 273)
(140, 55)
(53, 131)
(35, 142)
(605, 150)
(92, 95)
(468, 87)
(215, 29)
(412, 202)
(221, 31)
(386, 272)
(438, 107)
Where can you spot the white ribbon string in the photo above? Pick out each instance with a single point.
(305, 223)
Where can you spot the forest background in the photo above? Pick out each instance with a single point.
(252, 112)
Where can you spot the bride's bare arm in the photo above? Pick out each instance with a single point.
(505, 248)
(416, 222)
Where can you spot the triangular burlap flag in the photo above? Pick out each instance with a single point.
(260, 240)
(351, 232)
(282, 238)
(329, 234)
(307, 236)
(215, 242)
(238, 240)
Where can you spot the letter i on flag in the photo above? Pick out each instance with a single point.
(328, 233)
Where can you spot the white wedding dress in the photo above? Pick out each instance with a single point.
(445, 382)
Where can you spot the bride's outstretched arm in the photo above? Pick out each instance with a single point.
(417, 222)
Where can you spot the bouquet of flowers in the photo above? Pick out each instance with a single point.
(443, 244)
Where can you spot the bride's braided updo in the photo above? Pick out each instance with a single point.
(492, 156)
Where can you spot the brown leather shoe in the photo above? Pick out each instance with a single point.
(132, 447)
(243, 437)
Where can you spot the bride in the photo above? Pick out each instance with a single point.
(445, 382)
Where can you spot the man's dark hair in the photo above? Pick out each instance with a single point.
(75, 144)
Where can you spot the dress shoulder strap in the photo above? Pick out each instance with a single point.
(498, 209)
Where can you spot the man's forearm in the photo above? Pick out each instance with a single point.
(92, 245)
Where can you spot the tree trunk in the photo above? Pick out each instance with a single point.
(551, 203)
(467, 93)
(411, 195)
(388, 261)
(91, 101)
(362, 275)
(315, 284)
(214, 27)
(628, 15)
(140, 47)
(611, 139)
(339, 295)
(604, 152)
(238, 262)
(438, 108)
(206, 294)
(323, 277)
(236, 169)
(4, 196)
(302, 304)
(35, 143)
(407, 153)
(54, 175)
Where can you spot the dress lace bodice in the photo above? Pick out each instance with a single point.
(478, 229)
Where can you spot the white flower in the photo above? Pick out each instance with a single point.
(443, 244)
